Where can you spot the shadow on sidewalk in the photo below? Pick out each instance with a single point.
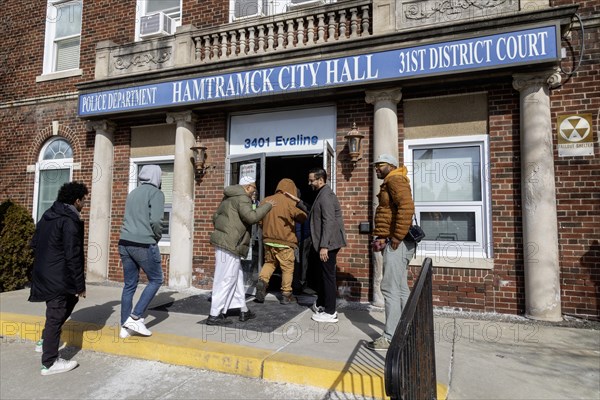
(362, 375)
(154, 309)
(86, 324)
(364, 321)
(270, 315)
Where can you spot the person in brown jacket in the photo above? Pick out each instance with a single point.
(393, 217)
(280, 241)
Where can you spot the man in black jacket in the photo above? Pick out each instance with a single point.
(58, 276)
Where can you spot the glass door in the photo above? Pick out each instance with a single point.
(254, 166)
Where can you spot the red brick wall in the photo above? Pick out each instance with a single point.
(205, 13)
(212, 129)
(102, 20)
(354, 193)
(500, 289)
(24, 131)
(577, 189)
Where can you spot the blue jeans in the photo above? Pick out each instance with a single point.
(394, 284)
(133, 258)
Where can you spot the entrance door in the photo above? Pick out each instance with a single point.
(254, 166)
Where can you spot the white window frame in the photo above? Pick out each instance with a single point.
(45, 165)
(140, 11)
(462, 254)
(134, 164)
(50, 50)
(273, 7)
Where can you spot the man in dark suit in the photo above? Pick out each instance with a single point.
(328, 236)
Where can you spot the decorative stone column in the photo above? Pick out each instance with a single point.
(101, 200)
(182, 215)
(538, 197)
(385, 140)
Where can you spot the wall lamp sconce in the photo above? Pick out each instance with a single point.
(354, 138)
(199, 158)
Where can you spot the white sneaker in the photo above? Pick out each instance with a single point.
(324, 317)
(137, 326)
(317, 309)
(124, 333)
(60, 365)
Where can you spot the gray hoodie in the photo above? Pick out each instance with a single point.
(151, 174)
(144, 209)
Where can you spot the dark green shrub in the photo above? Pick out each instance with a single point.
(3, 207)
(16, 257)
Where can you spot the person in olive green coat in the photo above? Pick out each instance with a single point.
(233, 221)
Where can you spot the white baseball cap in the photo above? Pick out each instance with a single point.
(386, 158)
(247, 180)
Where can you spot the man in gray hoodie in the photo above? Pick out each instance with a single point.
(138, 248)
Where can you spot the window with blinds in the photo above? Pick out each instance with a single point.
(63, 35)
(167, 189)
(67, 54)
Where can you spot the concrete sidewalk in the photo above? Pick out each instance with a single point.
(475, 359)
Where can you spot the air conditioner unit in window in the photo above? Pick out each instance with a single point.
(157, 24)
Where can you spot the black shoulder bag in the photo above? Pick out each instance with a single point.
(415, 232)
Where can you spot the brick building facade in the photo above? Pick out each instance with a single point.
(492, 246)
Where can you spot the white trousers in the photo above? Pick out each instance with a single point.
(228, 284)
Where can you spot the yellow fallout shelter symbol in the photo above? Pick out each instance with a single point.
(575, 128)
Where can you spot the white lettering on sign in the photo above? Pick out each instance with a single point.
(122, 99)
(347, 70)
(472, 53)
(521, 46)
(525, 46)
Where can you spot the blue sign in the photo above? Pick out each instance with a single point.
(494, 51)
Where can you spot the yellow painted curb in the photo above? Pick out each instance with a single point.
(359, 379)
(171, 349)
(354, 378)
(442, 391)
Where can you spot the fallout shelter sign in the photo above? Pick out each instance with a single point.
(575, 135)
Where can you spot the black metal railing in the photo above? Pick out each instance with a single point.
(410, 360)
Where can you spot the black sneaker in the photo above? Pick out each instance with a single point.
(220, 320)
(261, 291)
(246, 315)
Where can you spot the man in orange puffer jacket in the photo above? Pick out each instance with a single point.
(393, 217)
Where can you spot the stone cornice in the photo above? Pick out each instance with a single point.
(551, 78)
(393, 95)
(182, 117)
(104, 125)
